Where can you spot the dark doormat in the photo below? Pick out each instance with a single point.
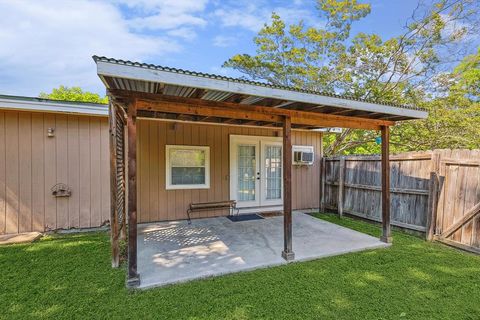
(244, 217)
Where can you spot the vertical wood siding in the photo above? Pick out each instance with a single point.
(157, 204)
(32, 163)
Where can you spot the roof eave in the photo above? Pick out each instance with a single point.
(53, 106)
(140, 73)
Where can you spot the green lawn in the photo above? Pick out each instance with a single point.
(69, 277)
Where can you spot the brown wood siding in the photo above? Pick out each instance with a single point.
(157, 204)
(31, 163)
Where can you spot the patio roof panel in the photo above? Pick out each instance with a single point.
(140, 77)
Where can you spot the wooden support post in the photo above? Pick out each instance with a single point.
(113, 193)
(133, 279)
(341, 184)
(287, 252)
(386, 228)
(123, 223)
(323, 176)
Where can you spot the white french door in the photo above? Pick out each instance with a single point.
(256, 171)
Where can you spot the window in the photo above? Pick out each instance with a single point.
(188, 167)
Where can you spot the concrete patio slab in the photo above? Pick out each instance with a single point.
(174, 251)
(19, 238)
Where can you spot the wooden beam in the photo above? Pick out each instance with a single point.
(386, 228)
(469, 215)
(246, 112)
(133, 279)
(114, 234)
(205, 111)
(287, 252)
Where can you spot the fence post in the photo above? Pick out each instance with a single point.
(432, 206)
(323, 177)
(341, 182)
(433, 193)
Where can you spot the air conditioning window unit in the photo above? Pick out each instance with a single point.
(303, 155)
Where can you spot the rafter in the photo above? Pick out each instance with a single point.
(197, 93)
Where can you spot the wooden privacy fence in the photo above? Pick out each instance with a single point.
(436, 192)
(456, 217)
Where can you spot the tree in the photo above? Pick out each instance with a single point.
(400, 70)
(73, 94)
(454, 115)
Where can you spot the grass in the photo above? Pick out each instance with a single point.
(69, 277)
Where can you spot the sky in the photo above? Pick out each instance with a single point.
(48, 43)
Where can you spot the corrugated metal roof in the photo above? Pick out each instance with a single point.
(37, 99)
(50, 105)
(237, 80)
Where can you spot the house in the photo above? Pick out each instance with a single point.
(45, 144)
(177, 138)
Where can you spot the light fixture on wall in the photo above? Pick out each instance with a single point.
(51, 132)
(173, 126)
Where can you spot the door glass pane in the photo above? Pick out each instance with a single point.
(246, 173)
(273, 172)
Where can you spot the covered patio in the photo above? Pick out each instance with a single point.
(144, 91)
(175, 251)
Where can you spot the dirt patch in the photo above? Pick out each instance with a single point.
(270, 214)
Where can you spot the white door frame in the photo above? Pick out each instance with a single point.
(260, 142)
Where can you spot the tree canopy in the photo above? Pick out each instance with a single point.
(413, 68)
(73, 94)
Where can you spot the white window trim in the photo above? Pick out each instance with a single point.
(168, 171)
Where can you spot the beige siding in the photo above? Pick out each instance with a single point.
(32, 163)
(157, 204)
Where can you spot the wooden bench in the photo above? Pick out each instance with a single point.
(229, 204)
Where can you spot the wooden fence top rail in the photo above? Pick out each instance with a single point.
(377, 158)
(379, 188)
(460, 162)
